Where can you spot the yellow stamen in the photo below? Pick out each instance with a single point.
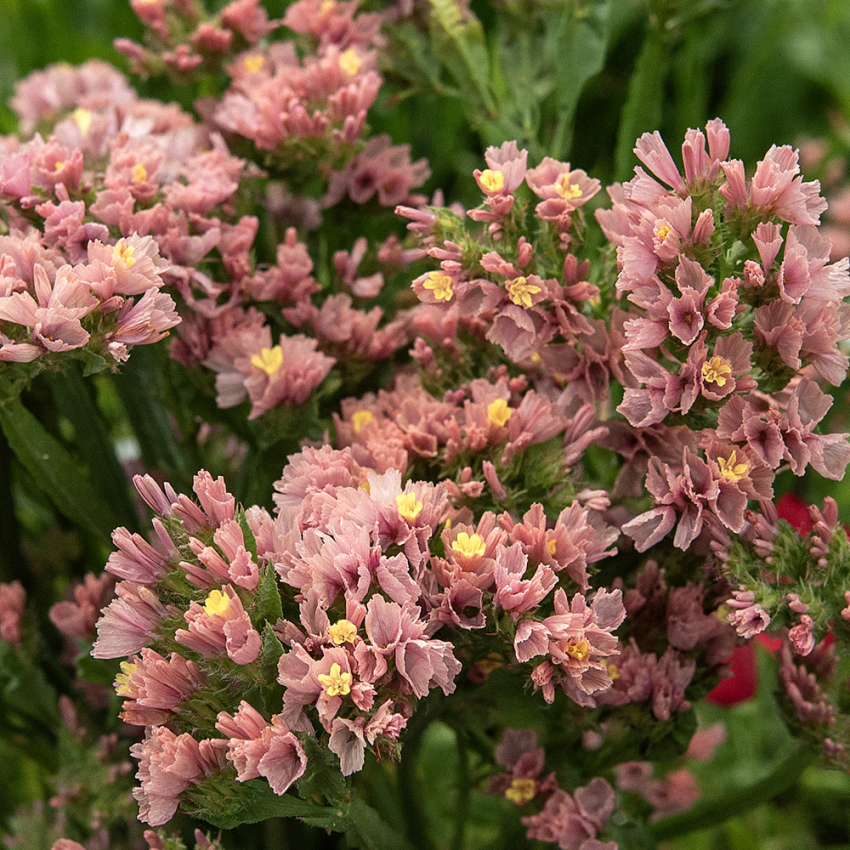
(336, 683)
(123, 253)
(122, 680)
(715, 370)
(217, 603)
(568, 191)
(408, 506)
(578, 650)
(552, 545)
(613, 672)
(521, 791)
(343, 631)
(365, 485)
(492, 181)
(440, 285)
(326, 6)
(535, 357)
(83, 118)
(498, 412)
(140, 173)
(253, 64)
(269, 360)
(359, 418)
(731, 470)
(521, 291)
(350, 62)
(469, 545)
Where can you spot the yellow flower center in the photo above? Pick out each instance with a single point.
(492, 181)
(613, 672)
(440, 285)
(217, 603)
(521, 791)
(359, 418)
(498, 412)
(122, 680)
(535, 357)
(269, 360)
(350, 62)
(83, 118)
(342, 632)
(521, 291)
(568, 191)
(123, 253)
(336, 683)
(326, 6)
(140, 173)
(408, 506)
(662, 231)
(253, 64)
(578, 650)
(715, 370)
(731, 470)
(552, 545)
(469, 545)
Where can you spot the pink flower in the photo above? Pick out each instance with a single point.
(12, 601)
(129, 621)
(221, 625)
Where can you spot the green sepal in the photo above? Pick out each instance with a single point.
(268, 603)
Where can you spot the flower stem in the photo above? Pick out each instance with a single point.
(714, 812)
(463, 793)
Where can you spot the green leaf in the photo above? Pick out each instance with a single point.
(226, 803)
(323, 776)
(91, 434)
(54, 470)
(269, 607)
(95, 670)
(374, 833)
(581, 42)
(642, 112)
(26, 697)
(461, 46)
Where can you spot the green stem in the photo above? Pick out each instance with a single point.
(12, 564)
(416, 824)
(736, 801)
(463, 794)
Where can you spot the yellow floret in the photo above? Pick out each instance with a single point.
(83, 118)
(568, 191)
(350, 62)
(578, 650)
(521, 791)
(343, 631)
(336, 683)
(731, 470)
(409, 507)
(253, 64)
(716, 369)
(469, 545)
(217, 603)
(492, 181)
(269, 360)
(521, 291)
(359, 418)
(140, 173)
(122, 680)
(123, 253)
(440, 285)
(498, 412)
